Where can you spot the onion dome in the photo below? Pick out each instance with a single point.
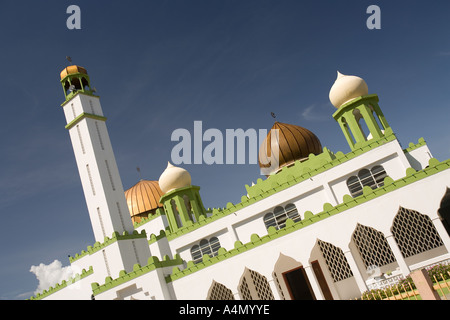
(143, 199)
(347, 88)
(72, 70)
(173, 178)
(294, 142)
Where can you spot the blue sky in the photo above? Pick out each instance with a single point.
(161, 65)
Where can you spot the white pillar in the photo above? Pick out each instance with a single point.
(442, 232)
(356, 273)
(398, 255)
(313, 281)
(273, 287)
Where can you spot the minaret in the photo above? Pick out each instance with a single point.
(182, 203)
(94, 155)
(357, 109)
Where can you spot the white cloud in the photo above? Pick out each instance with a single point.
(316, 113)
(51, 274)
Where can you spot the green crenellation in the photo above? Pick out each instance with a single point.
(152, 264)
(421, 142)
(368, 194)
(107, 241)
(288, 176)
(63, 284)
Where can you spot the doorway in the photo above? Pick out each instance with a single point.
(298, 284)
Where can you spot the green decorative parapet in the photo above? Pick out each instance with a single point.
(158, 212)
(152, 264)
(287, 177)
(107, 241)
(309, 218)
(63, 284)
(413, 146)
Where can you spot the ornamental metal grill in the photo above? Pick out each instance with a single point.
(372, 246)
(414, 232)
(254, 286)
(278, 217)
(219, 292)
(373, 178)
(335, 260)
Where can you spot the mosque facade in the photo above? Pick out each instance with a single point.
(322, 226)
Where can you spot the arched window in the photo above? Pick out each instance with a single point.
(218, 291)
(210, 248)
(373, 178)
(278, 217)
(414, 232)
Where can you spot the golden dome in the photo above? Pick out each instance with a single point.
(71, 70)
(295, 143)
(143, 199)
(174, 178)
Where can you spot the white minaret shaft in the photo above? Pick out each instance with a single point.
(95, 159)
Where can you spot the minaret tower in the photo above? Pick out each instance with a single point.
(94, 155)
(182, 202)
(358, 113)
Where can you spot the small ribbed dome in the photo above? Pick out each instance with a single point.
(173, 178)
(143, 199)
(347, 88)
(295, 143)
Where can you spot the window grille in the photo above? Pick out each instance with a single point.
(278, 217)
(414, 232)
(254, 286)
(210, 248)
(372, 246)
(219, 292)
(336, 262)
(373, 178)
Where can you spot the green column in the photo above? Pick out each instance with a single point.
(354, 126)
(346, 132)
(182, 210)
(370, 121)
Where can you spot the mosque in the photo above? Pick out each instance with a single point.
(323, 226)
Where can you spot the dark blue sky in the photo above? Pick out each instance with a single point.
(161, 65)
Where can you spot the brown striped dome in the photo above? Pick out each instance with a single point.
(295, 143)
(143, 199)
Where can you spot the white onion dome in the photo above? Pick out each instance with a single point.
(174, 178)
(347, 88)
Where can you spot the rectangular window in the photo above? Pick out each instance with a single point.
(110, 176)
(99, 136)
(90, 179)
(81, 140)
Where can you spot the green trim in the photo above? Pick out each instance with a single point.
(74, 94)
(63, 284)
(81, 117)
(287, 177)
(158, 212)
(152, 264)
(413, 146)
(107, 241)
(368, 194)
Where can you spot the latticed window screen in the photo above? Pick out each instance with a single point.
(244, 290)
(336, 262)
(280, 289)
(414, 232)
(210, 247)
(219, 292)
(255, 286)
(373, 178)
(278, 217)
(372, 246)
